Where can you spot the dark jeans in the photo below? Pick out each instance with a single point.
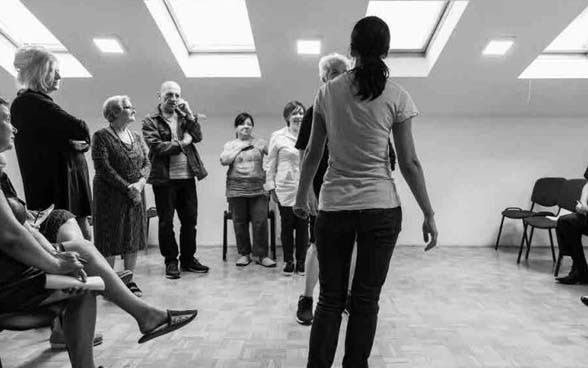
(569, 238)
(178, 195)
(376, 231)
(291, 223)
(254, 209)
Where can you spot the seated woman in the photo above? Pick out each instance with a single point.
(26, 257)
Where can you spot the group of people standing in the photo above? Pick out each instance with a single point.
(355, 113)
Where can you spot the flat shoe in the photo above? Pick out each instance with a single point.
(243, 261)
(135, 289)
(266, 262)
(175, 320)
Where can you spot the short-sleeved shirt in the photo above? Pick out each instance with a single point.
(302, 142)
(359, 175)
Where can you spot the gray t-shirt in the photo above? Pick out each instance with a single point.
(359, 175)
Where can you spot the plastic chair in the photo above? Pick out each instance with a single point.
(569, 192)
(271, 215)
(544, 193)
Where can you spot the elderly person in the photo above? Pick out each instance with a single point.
(122, 167)
(51, 144)
(282, 183)
(171, 133)
(357, 113)
(26, 257)
(248, 200)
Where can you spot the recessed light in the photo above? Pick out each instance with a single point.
(109, 45)
(498, 47)
(308, 47)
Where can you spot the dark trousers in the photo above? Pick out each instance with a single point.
(291, 223)
(178, 195)
(376, 231)
(569, 238)
(244, 210)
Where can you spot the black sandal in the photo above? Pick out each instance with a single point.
(135, 289)
(175, 320)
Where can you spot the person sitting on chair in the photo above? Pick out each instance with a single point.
(27, 257)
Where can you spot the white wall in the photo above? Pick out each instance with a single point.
(474, 168)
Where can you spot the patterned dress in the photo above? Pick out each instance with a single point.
(120, 225)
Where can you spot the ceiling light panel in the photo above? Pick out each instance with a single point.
(213, 25)
(412, 23)
(18, 27)
(574, 38)
(109, 45)
(498, 47)
(308, 47)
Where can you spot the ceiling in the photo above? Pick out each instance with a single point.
(461, 83)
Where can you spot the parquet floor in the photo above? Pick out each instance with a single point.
(453, 307)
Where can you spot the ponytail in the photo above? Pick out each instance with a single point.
(370, 78)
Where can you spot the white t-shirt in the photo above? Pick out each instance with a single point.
(359, 175)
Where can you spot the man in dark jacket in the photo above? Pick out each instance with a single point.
(171, 133)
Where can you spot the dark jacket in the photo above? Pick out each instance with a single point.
(53, 172)
(158, 137)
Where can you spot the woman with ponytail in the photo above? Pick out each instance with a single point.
(357, 112)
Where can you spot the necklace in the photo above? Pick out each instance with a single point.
(129, 137)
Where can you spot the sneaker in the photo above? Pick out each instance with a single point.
(57, 340)
(304, 312)
(171, 271)
(195, 266)
(265, 262)
(288, 269)
(243, 261)
(135, 289)
(300, 268)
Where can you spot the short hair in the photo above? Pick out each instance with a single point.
(3, 102)
(240, 119)
(113, 106)
(331, 62)
(33, 64)
(290, 108)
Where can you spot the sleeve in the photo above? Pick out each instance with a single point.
(146, 166)
(194, 128)
(158, 146)
(404, 107)
(317, 107)
(228, 154)
(101, 158)
(305, 128)
(272, 164)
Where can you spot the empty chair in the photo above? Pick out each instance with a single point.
(569, 192)
(544, 193)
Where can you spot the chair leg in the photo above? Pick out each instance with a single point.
(552, 247)
(225, 237)
(499, 232)
(523, 239)
(273, 235)
(558, 264)
(529, 243)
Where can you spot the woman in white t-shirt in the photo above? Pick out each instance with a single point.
(357, 112)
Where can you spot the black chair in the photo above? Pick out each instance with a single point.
(569, 192)
(544, 193)
(271, 215)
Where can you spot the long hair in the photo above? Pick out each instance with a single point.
(370, 42)
(33, 64)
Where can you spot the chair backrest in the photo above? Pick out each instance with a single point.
(546, 191)
(570, 192)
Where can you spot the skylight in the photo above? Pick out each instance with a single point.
(209, 38)
(109, 45)
(412, 23)
(18, 27)
(308, 47)
(419, 30)
(498, 47)
(566, 57)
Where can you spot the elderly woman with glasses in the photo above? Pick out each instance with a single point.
(122, 166)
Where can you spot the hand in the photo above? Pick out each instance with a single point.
(301, 211)
(79, 145)
(184, 107)
(274, 196)
(69, 263)
(187, 139)
(430, 232)
(581, 208)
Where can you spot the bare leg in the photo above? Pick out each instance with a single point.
(130, 260)
(147, 316)
(79, 322)
(312, 270)
(85, 227)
